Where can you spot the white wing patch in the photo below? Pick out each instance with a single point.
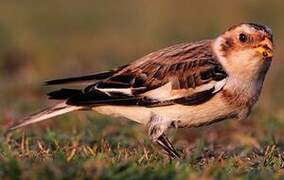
(166, 92)
(126, 91)
(108, 91)
(161, 93)
(219, 85)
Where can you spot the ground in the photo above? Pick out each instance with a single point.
(84, 147)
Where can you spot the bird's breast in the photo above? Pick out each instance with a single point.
(213, 110)
(242, 95)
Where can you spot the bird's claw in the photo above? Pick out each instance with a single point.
(164, 142)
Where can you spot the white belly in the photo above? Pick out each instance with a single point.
(186, 115)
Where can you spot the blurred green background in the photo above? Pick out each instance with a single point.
(42, 40)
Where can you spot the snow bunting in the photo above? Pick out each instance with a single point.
(185, 85)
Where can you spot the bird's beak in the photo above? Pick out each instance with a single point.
(265, 48)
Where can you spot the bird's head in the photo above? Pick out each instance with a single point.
(244, 48)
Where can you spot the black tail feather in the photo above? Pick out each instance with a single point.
(98, 76)
(63, 94)
(92, 77)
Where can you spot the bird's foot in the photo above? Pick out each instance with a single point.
(164, 142)
(157, 127)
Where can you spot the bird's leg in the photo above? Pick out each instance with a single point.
(156, 129)
(164, 142)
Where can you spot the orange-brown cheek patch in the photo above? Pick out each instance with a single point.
(227, 46)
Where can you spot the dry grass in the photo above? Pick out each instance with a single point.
(110, 149)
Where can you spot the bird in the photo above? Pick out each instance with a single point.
(187, 85)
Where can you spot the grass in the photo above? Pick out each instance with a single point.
(102, 148)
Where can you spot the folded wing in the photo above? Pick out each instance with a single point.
(186, 73)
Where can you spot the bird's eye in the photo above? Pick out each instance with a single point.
(242, 37)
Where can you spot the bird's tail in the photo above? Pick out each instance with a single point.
(45, 114)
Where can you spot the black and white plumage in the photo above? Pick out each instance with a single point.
(135, 84)
(185, 85)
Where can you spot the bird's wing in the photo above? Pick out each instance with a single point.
(186, 73)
